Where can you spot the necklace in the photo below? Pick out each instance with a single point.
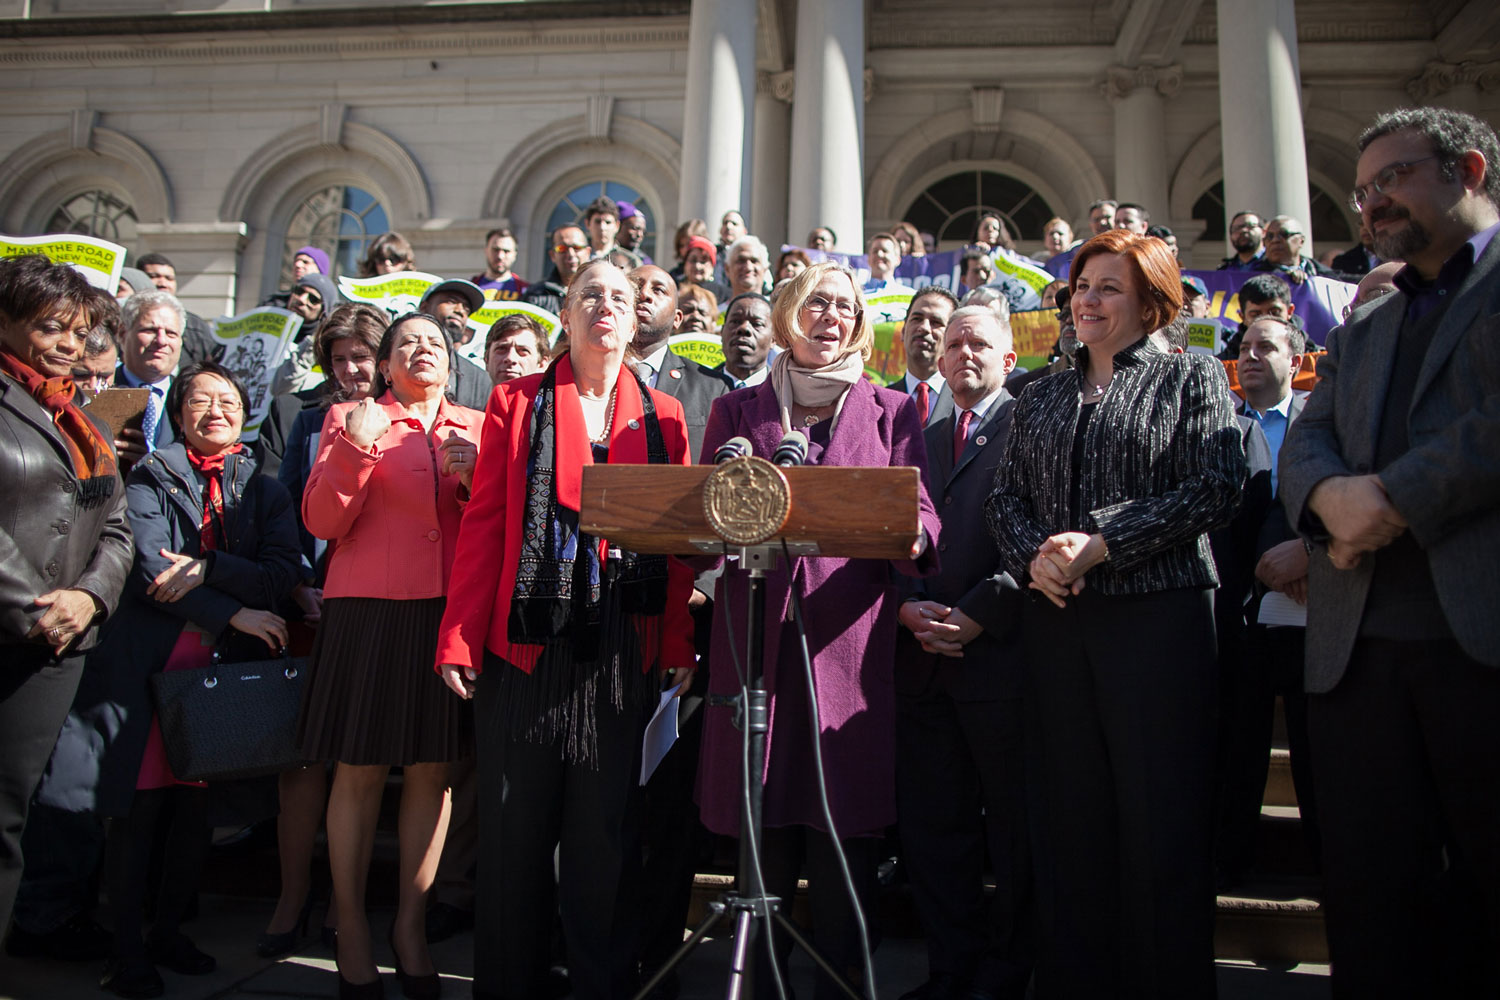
(810, 419)
(609, 412)
(1094, 388)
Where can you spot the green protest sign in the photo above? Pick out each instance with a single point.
(99, 261)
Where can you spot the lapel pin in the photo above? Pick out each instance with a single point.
(633, 424)
(675, 373)
(981, 440)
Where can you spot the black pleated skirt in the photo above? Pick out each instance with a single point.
(372, 696)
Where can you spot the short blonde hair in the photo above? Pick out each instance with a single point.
(785, 329)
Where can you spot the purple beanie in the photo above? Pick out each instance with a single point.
(318, 257)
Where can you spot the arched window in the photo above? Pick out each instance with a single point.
(96, 213)
(569, 209)
(1328, 224)
(340, 220)
(950, 208)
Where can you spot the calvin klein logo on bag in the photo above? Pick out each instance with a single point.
(249, 677)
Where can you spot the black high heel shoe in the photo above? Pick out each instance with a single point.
(428, 987)
(361, 991)
(275, 945)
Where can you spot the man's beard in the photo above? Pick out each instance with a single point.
(458, 330)
(1402, 243)
(648, 338)
(1244, 243)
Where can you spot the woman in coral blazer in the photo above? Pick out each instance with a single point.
(386, 490)
(564, 640)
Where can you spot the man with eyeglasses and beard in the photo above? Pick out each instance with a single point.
(1285, 238)
(1391, 475)
(1246, 233)
(498, 281)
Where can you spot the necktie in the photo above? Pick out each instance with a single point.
(961, 436)
(646, 372)
(924, 405)
(151, 418)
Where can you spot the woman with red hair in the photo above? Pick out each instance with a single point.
(1115, 470)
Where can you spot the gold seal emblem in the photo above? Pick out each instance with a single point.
(746, 501)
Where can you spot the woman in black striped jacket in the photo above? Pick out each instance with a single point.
(1114, 473)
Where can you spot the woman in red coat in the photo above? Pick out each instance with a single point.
(563, 640)
(386, 490)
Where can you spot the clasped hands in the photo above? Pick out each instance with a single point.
(939, 628)
(1358, 515)
(1058, 567)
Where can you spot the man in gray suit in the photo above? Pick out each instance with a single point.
(959, 781)
(1392, 471)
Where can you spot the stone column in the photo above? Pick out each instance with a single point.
(1260, 106)
(768, 177)
(828, 123)
(716, 119)
(1139, 96)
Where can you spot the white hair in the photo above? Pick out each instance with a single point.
(143, 302)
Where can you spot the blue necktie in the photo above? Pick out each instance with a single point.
(151, 418)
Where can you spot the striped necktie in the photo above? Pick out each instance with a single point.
(151, 418)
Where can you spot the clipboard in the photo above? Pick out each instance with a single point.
(120, 407)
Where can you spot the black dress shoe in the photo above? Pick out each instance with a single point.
(428, 987)
(374, 990)
(133, 981)
(181, 956)
(81, 939)
(444, 921)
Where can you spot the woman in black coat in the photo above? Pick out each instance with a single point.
(64, 544)
(216, 551)
(1114, 473)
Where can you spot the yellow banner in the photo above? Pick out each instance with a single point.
(99, 261)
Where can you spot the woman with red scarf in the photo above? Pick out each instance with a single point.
(216, 553)
(566, 641)
(64, 544)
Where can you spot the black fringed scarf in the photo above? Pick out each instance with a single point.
(580, 607)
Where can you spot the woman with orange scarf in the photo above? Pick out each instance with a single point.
(64, 544)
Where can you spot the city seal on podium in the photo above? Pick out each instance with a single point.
(746, 500)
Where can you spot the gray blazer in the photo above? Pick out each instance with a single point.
(1447, 485)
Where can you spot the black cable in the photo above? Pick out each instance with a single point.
(752, 835)
(817, 748)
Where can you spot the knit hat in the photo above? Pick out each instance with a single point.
(699, 243)
(138, 280)
(318, 257)
(627, 210)
(324, 286)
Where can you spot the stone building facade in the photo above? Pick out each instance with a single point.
(227, 132)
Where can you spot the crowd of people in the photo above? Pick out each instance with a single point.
(1123, 558)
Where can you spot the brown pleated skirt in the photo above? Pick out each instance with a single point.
(372, 696)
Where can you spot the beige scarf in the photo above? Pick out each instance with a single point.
(814, 387)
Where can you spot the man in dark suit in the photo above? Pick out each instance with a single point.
(150, 350)
(1391, 471)
(922, 341)
(1268, 660)
(959, 784)
(670, 819)
(1356, 262)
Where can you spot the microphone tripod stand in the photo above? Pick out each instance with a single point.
(749, 906)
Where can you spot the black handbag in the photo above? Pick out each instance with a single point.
(230, 720)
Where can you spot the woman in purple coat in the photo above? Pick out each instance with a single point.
(817, 385)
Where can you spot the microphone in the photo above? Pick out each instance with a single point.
(735, 447)
(791, 451)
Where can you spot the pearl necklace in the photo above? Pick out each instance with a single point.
(609, 412)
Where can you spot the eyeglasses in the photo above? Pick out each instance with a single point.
(818, 304)
(565, 247)
(312, 297)
(393, 259)
(1385, 182)
(1282, 234)
(1245, 227)
(201, 404)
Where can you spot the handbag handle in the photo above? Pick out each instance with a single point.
(289, 669)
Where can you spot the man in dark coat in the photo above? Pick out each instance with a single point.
(1391, 473)
(959, 782)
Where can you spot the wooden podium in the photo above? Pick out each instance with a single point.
(866, 513)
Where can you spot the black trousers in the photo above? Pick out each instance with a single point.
(787, 851)
(1406, 759)
(35, 695)
(179, 815)
(531, 801)
(1122, 715)
(960, 789)
(1272, 666)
